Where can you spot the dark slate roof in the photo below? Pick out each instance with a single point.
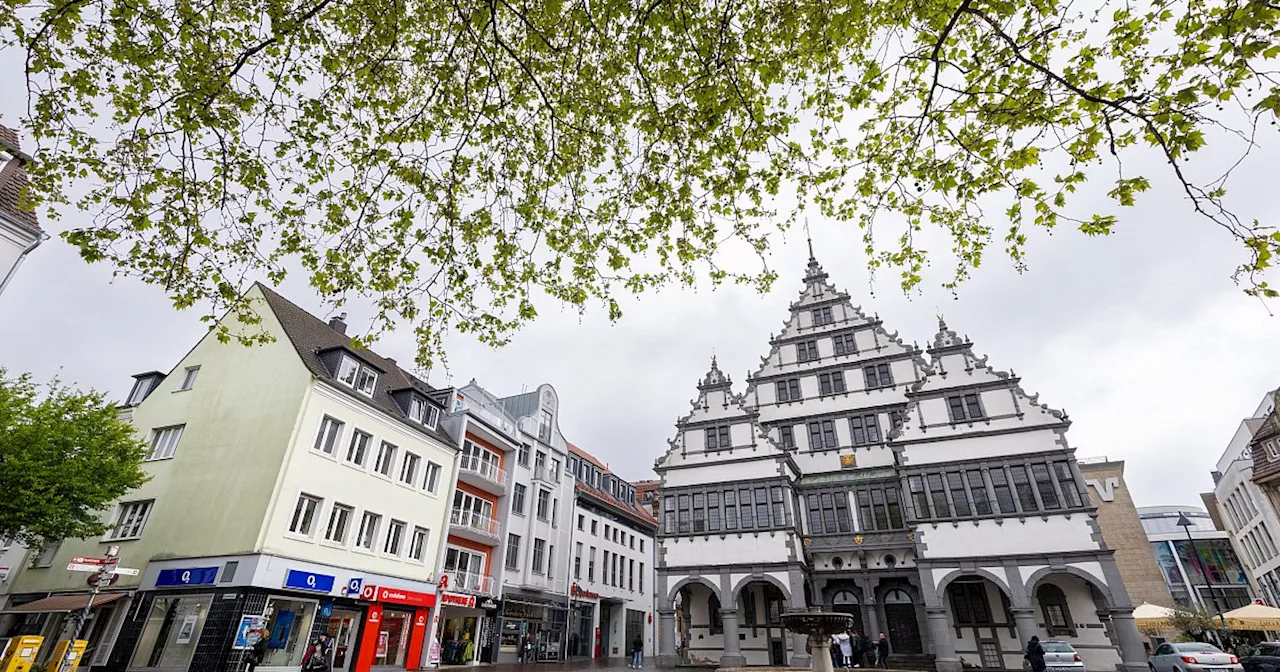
(13, 183)
(310, 336)
(521, 405)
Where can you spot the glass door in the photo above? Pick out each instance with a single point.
(342, 631)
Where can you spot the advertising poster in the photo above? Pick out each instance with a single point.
(187, 629)
(382, 643)
(249, 631)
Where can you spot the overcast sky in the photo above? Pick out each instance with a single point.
(1141, 337)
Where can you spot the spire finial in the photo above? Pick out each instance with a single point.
(808, 238)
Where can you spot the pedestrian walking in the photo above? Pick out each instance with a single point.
(637, 652)
(882, 651)
(1035, 654)
(257, 652)
(316, 659)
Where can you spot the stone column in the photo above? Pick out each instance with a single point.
(666, 638)
(1024, 619)
(944, 646)
(732, 646)
(821, 645)
(870, 619)
(1133, 656)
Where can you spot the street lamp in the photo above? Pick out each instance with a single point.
(1185, 524)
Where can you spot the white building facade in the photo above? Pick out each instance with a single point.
(931, 499)
(613, 550)
(1244, 509)
(537, 510)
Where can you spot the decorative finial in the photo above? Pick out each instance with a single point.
(808, 238)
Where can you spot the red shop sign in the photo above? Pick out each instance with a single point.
(410, 598)
(458, 600)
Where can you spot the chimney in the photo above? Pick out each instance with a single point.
(339, 323)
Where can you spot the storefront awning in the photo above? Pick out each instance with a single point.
(62, 603)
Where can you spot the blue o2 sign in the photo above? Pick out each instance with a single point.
(300, 580)
(190, 576)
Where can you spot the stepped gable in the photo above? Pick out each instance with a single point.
(954, 370)
(715, 406)
(818, 293)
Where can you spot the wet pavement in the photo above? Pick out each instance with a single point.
(600, 664)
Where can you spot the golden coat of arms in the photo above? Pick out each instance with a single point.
(857, 538)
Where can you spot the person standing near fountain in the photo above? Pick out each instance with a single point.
(846, 648)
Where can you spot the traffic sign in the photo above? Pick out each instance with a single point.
(81, 560)
(127, 571)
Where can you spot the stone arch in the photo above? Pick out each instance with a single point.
(690, 580)
(766, 578)
(941, 588)
(1043, 573)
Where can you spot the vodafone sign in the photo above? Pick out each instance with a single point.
(410, 598)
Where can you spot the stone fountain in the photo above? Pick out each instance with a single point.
(819, 626)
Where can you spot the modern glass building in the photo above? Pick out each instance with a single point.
(1211, 575)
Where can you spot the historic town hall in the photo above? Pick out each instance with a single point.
(922, 492)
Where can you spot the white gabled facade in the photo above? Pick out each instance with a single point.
(279, 475)
(931, 499)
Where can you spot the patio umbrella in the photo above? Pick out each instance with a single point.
(1253, 617)
(1152, 616)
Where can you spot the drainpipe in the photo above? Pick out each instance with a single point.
(14, 270)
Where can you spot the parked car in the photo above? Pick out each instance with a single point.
(1192, 657)
(1061, 657)
(1265, 658)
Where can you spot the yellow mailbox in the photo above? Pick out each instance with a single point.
(61, 662)
(21, 654)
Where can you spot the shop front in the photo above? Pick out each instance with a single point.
(205, 617)
(465, 628)
(533, 630)
(395, 627)
(582, 622)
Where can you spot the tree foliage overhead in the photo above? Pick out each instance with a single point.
(65, 457)
(451, 159)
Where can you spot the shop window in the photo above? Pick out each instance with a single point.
(289, 621)
(1057, 615)
(171, 632)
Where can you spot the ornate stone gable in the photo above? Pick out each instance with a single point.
(962, 395)
(718, 427)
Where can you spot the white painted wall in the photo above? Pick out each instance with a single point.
(338, 481)
(741, 548)
(1011, 536)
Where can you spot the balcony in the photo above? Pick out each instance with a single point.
(474, 526)
(474, 584)
(484, 475)
(546, 474)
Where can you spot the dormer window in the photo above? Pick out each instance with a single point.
(422, 412)
(358, 376)
(140, 390)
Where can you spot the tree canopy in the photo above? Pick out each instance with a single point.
(65, 457)
(455, 160)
